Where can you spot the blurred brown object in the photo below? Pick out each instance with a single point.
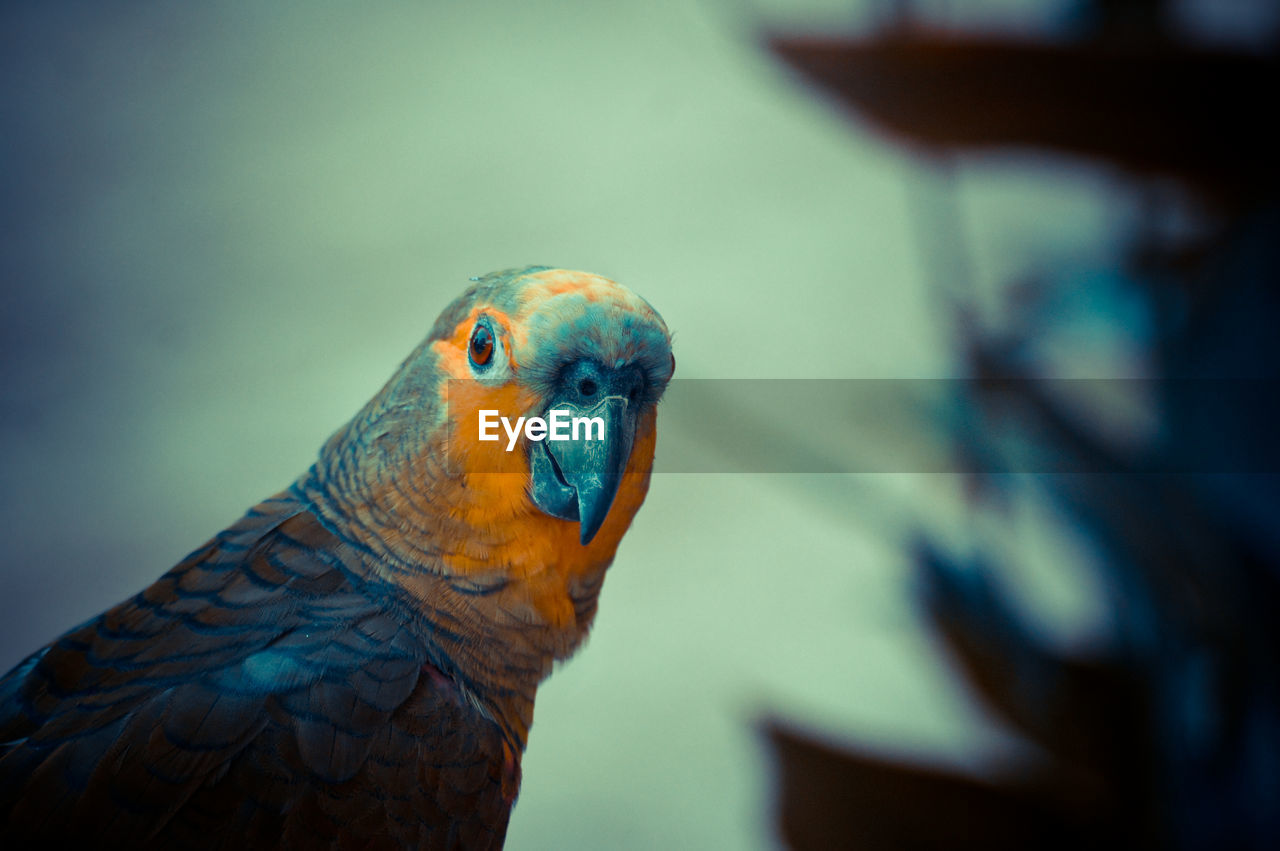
(835, 798)
(1088, 719)
(1169, 735)
(1152, 108)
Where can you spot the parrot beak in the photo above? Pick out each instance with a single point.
(578, 479)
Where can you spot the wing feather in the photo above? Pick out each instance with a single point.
(254, 696)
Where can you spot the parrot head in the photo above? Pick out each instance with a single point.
(448, 462)
(554, 346)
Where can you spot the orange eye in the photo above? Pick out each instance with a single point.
(481, 345)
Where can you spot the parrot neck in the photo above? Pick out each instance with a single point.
(500, 595)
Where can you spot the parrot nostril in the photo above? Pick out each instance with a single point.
(587, 387)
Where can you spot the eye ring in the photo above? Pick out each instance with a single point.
(480, 349)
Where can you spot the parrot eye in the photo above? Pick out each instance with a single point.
(481, 348)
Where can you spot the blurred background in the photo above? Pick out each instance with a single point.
(224, 225)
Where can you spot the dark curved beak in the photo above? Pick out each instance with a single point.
(578, 478)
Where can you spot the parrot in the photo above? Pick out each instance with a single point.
(353, 664)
